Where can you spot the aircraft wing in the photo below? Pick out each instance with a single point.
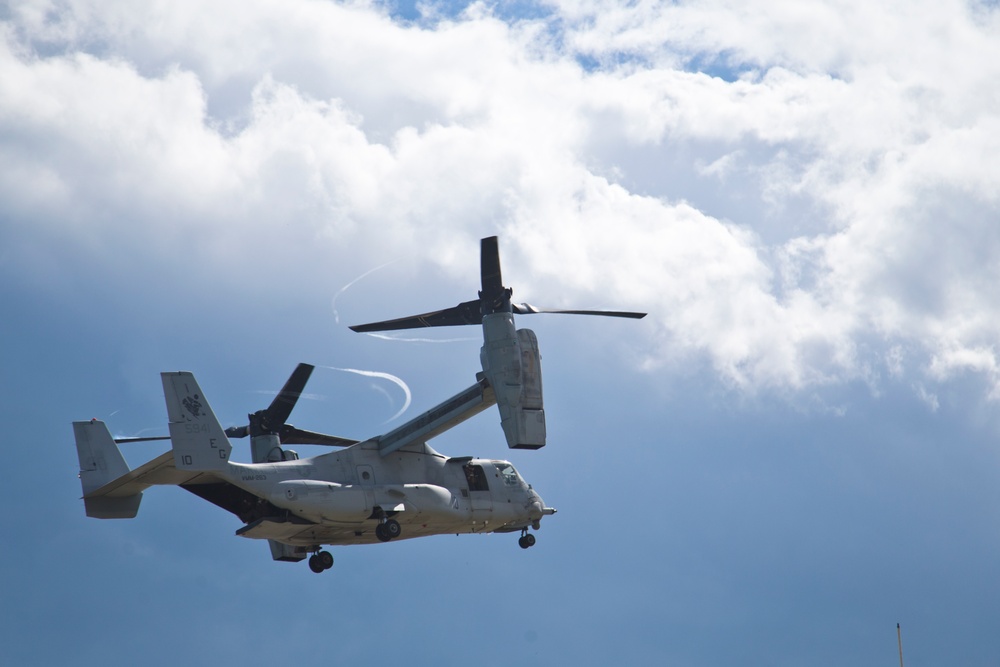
(160, 470)
(440, 418)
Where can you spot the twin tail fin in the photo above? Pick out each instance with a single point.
(199, 441)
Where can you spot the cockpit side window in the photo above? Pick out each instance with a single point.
(508, 474)
(476, 477)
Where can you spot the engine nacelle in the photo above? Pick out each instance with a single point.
(317, 501)
(266, 448)
(513, 366)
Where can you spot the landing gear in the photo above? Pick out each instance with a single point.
(320, 561)
(527, 540)
(389, 530)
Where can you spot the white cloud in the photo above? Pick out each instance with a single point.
(828, 203)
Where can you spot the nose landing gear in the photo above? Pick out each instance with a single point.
(527, 540)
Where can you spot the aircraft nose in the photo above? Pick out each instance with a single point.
(536, 507)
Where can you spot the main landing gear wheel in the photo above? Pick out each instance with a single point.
(388, 530)
(526, 541)
(321, 560)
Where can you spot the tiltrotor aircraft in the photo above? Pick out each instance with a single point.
(391, 486)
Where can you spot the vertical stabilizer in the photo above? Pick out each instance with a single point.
(102, 462)
(199, 443)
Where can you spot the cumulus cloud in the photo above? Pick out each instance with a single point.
(793, 191)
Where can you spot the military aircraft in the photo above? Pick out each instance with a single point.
(391, 486)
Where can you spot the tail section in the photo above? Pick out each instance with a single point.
(199, 442)
(101, 462)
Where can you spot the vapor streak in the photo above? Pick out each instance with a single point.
(420, 340)
(384, 376)
(333, 301)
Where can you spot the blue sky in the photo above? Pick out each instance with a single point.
(795, 450)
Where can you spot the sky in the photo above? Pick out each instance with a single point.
(795, 451)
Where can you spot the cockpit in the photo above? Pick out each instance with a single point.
(477, 476)
(508, 475)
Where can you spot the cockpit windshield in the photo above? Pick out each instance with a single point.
(508, 474)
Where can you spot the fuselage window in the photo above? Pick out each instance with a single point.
(476, 478)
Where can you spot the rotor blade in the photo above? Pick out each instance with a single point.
(528, 309)
(143, 439)
(493, 298)
(281, 406)
(489, 269)
(468, 312)
(297, 436)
